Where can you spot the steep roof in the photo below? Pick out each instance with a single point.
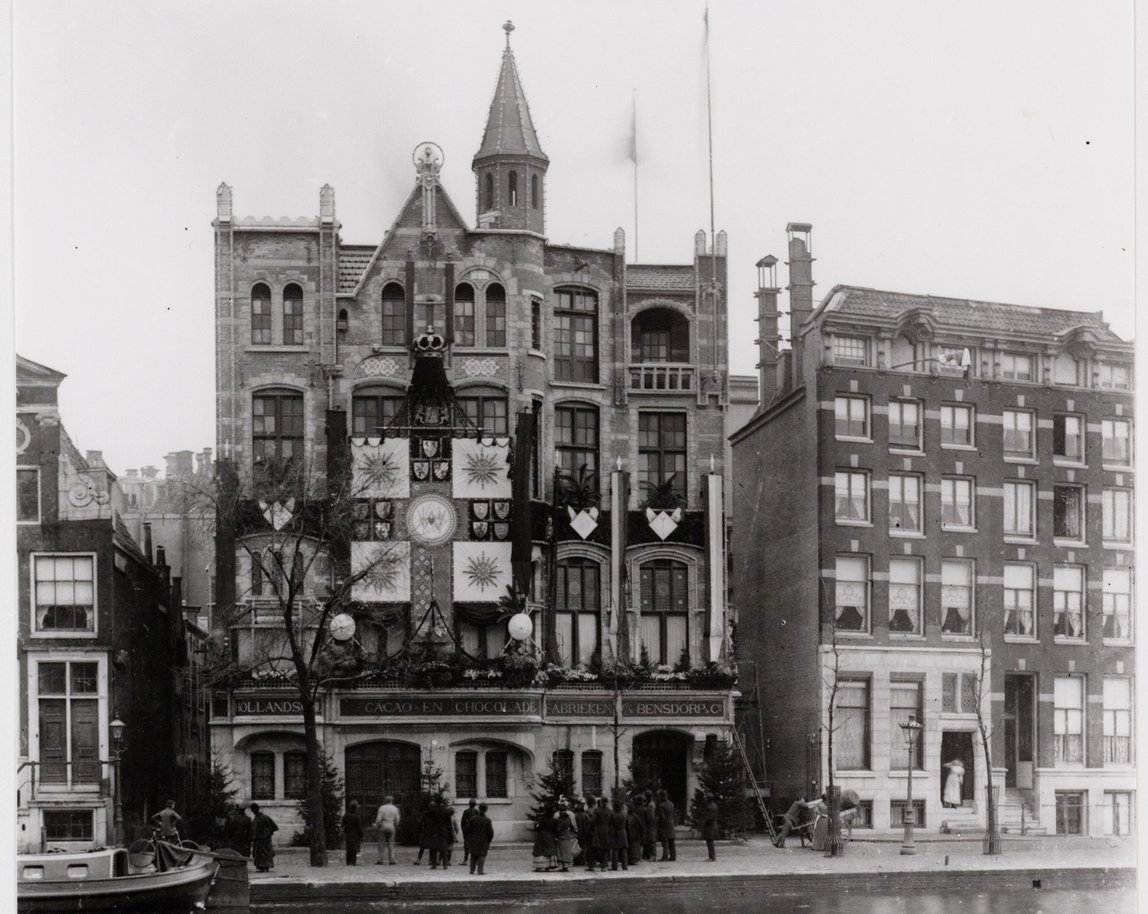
(353, 261)
(985, 316)
(509, 129)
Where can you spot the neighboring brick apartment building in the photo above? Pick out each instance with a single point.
(98, 639)
(454, 355)
(912, 506)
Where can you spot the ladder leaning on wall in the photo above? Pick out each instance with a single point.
(762, 806)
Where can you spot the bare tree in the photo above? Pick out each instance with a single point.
(294, 530)
(981, 693)
(831, 680)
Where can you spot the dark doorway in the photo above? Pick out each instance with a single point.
(1019, 731)
(664, 756)
(375, 770)
(957, 746)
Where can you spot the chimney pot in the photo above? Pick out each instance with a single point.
(147, 540)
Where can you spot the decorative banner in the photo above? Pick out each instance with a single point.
(583, 522)
(481, 469)
(663, 523)
(481, 571)
(277, 515)
(380, 467)
(388, 577)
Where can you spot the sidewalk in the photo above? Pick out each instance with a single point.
(1082, 863)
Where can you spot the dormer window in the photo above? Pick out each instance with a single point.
(851, 350)
(1112, 376)
(1017, 366)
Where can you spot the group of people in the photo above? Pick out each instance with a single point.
(251, 837)
(597, 833)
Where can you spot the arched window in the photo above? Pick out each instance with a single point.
(488, 192)
(576, 437)
(485, 407)
(464, 314)
(260, 314)
(579, 610)
(660, 335)
(512, 188)
(292, 315)
(534, 197)
(394, 315)
(295, 774)
(276, 433)
(374, 408)
(664, 585)
(495, 315)
(576, 336)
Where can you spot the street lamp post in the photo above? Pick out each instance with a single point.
(117, 728)
(914, 729)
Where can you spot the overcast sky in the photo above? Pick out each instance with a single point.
(980, 149)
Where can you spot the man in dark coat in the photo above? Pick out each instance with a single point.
(665, 811)
(479, 833)
(619, 840)
(237, 832)
(650, 820)
(582, 824)
(262, 828)
(600, 834)
(438, 832)
(710, 828)
(635, 832)
(353, 832)
(467, 814)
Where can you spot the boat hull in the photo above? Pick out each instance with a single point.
(175, 891)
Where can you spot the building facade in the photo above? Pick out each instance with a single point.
(99, 644)
(520, 425)
(941, 491)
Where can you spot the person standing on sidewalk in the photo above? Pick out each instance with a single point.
(353, 832)
(710, 827)
(564, 835)
(619, 840)
(635, 831)
(451, 831)
(261, 831)
(599, 836)
(650, 820)
(582, 824)
(387, 824)
(438, 832)
(467, 814)
(666, 825)
(480, 834)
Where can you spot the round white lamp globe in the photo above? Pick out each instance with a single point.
(520, 626)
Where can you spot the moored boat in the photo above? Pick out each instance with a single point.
(105, 880)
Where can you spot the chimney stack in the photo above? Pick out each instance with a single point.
(147, 541)
(800, 289)
(149, 473)
(160, 555)
(768, 337)
(95, 458)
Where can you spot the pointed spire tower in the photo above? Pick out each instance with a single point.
(510, 166)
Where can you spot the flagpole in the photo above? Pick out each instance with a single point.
(634, 156)
(710, 134)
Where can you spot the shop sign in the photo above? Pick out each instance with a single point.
(275, 704)
(672, 706)
(440, 706)
(579, 706)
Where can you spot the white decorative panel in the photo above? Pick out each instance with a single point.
(481, 571)
(480, 468)
(380, 468)
(379, 367)
(388, 572)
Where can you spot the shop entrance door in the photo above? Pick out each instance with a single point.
(664, 756)
(378, 769)
(958, 746)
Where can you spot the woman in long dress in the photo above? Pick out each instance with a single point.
(566, 834)
(951, 797)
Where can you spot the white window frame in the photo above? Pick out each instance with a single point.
(1111, 598)
(1108, 433)
(1009, 497)
(1081, 436)
(849, 402)
(841, 340)
(1064, 723)
(1015, 429)
(1109, 515)
(851, 478)
(1061, 594)
(1105, 379)
(912, 589)
(1116, 719)
(897, 481)
(1031, 589)
(970, 583)
(950, 482)
(899, 404)
(34, 627)
(1128, 807)
(866, 584)
(1009, 362)
(949, 411)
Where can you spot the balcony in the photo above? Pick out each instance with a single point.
(662, 377)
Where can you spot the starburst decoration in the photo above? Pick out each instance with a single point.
(383, 576)
(482, 571)
(481, 469)
(379, 470)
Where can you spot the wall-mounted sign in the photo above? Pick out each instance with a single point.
(407, 705)
(269, 705)
(579, 705)
(672, 706)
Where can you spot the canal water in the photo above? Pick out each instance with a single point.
(1030, 901)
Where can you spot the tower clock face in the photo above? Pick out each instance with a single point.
(431, 520)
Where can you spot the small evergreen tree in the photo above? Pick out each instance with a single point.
(205, 822)
(431, 785)
(332, 788)
(548, 787)
(641, 779)
(722, 776)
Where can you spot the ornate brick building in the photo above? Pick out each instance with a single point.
(522, 421)
(928, 477)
